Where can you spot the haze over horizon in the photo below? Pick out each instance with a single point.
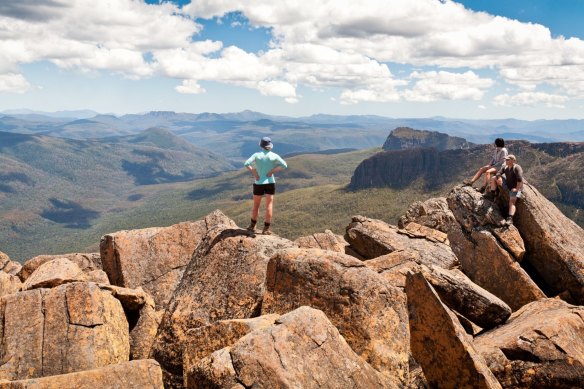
(470, 59)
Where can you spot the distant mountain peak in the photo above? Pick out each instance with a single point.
(403, 138)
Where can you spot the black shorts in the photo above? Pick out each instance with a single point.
(262, 189)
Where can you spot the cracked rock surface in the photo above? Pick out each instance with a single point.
(369, 313)
(373, 238)
(72, 327)
(144, 374)
(540, 346)
(224, 280)
(154, 258)
(439, 342)
(301, 350)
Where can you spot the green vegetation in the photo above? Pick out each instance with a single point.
(312, 196)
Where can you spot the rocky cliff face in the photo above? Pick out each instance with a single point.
(405, 138)
(452, 297)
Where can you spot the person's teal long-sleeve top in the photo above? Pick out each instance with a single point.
(264, 161)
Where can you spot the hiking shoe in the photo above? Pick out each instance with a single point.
(481, 189)
(251, 227)
(489, 196)
(266, 231)
(509, 220)
(467, 183)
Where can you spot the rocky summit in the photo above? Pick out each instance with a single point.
(450, 297)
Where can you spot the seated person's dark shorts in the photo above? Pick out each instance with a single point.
(262, 189)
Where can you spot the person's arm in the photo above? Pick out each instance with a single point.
(275, 170)
(249, 166)
(519, 174)
(281, 166)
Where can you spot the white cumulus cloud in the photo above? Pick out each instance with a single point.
(442, 85)
(531, 98)
(344, 44)
(14, 83)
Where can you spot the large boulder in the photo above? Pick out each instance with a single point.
(455, 289)
(87, 262)
(155, 258)
(541, 346)
(301, 350)
(69, 328)
(372, 238)
(554, 243)
(9, 266)
(486, 262)
(128, 375)
(483, 249)
(54, 273)
(432, 213)
(224, 280)
(203, 341)
(439, 342)
(370, 314)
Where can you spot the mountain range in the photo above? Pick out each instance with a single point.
(58, 193)
(236, 134)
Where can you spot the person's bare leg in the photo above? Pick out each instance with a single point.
(478, 174)
(256, 207)
(488, 175)
(512, 208)
(269, 208)
(254, 212)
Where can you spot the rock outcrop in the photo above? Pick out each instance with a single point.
(440, 344)
(369, 313)
(9, 266)
(541, 346)
(87, 262)
(70, 328)
(302, 349)
(145, 374)
(203, 341)
(554, 244)
(483, 254)
(154, 258)
(455, 289)
(405, 138)
(224, 280)
(54, 273)
(372, 238)
(432, 213)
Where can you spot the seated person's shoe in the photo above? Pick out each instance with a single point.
(467, 183)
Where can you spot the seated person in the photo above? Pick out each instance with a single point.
(497, 162)
(512, 182)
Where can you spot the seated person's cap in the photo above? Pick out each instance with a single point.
(265, 142)
(510, 156)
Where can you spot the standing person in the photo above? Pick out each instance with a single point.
(262, 166)
(496, 163)
(513, 182)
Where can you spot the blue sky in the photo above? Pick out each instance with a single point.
(398, 58)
